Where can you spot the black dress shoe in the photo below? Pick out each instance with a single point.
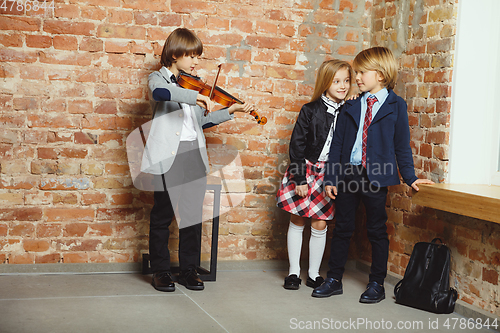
(374, 293)
(292, 282)
(163, 282)
(328, 288)
(314, 283)
(191, 280)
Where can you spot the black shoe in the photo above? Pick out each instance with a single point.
(374, 293)
(328, 288)
(292, 282)
(163, 281)
(191, 280)
(314, 283)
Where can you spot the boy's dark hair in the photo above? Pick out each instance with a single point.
(179, 43)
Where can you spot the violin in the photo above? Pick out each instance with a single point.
(216, 94)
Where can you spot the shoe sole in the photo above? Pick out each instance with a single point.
(167, 289)
(369, 301)
(336, 292)
(192, 287)
(312, 285)
(291, 287)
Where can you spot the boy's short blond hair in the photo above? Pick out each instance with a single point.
(379, 59)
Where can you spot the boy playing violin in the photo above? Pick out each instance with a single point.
(177, 156)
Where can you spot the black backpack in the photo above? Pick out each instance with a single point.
(426, 283)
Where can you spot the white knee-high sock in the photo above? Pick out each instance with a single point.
(294, 244)
(317, 244)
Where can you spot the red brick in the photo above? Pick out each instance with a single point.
(117, 169)
(57, 121)
(25, 258)
(69, 214)
(75, 230)
(346, 4)
(216, 23)
(52, 258)
(287, 58)
(65, 43)
(20, 214)
(440, 91)
(93, 198)
(91, 44)
(9, 55)
(66, 11)
(267, 42)
(120, 16)
(347, 50)
(242, 25)
(21, 229)
(100, 229)
(263, 27)
(47, 230)
(75, 258)
(43, 166)
(181, 6)
(145, 17)
(59, 136)
(6, 70)
(34, 245)
(25, 103)
(118, 214)
(111, 138)
(80, 106)
(68, 27)
(60, 74)
(121, 31)
(75, 59)
(20, 23)
(490, 275)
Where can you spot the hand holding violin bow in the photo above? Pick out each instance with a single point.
(207, 95)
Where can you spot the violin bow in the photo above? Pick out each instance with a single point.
(215, 83)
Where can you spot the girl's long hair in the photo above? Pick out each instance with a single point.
(326, 73)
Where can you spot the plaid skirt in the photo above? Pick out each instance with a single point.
(316, 204)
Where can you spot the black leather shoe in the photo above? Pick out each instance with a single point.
(191, 280)
(328, 288)
(314, 283)
(374, 293)
(163, 282)
(292, 282)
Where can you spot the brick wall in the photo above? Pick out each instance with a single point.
(421, 33)
(73, 86)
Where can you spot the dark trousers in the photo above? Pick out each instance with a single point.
(355, 188)
(183, 193)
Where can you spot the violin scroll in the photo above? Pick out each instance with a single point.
(260, 120)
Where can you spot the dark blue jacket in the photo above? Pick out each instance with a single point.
(388, 143)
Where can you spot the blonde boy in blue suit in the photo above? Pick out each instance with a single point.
(371, 143)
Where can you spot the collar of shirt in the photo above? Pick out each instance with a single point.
(169, 73)
(332, 106)
(381, 97)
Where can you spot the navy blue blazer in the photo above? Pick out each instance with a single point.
(388, 143)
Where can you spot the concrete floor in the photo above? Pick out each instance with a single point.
(241, 300)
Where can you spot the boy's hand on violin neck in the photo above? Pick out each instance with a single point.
(205, 102)
(246, 107)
